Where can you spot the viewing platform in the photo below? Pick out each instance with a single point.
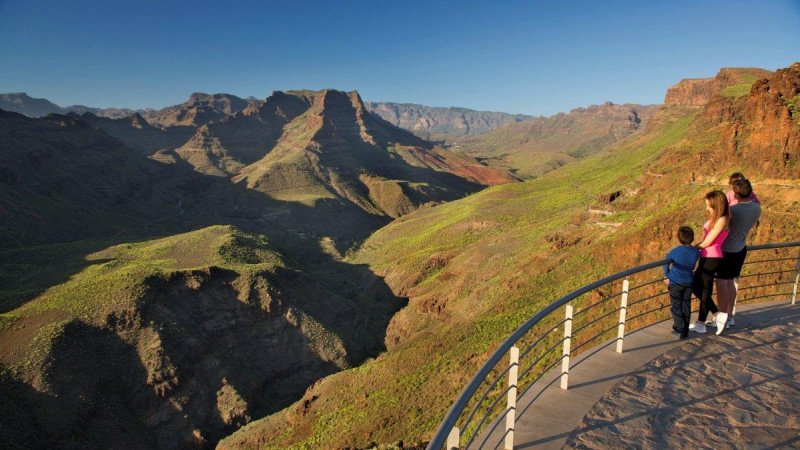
(735, 390)
(563, 380)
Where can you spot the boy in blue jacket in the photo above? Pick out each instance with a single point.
(678, 275)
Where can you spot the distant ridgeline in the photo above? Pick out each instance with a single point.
(300, 271)
(442, 123)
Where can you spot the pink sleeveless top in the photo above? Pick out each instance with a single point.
(715, 249)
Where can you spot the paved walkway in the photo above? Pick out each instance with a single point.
(548, 415)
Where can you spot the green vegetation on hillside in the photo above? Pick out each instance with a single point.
(741, 88)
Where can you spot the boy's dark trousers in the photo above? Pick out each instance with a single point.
(680, 297)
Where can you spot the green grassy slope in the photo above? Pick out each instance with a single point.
(203, 330)
(537, 146)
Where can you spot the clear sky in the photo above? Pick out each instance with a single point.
(531, 57)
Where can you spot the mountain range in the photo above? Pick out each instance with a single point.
(424, 121)
(300, 272)
(529, 149)
(442, 123)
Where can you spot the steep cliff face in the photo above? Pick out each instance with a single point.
(691, 92)
(760, 127)
(770, 124)
(699, 91)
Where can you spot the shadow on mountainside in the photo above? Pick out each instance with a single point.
(200, 355)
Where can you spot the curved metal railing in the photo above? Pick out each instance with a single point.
(649, 300)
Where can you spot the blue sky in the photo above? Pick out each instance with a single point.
(534, 57)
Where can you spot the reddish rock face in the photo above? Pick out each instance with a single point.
(699, 91)
(772, 115)
(763, 128)
(691, 92)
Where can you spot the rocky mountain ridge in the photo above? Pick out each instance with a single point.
(534, 147)
(437, 123)
(698, 91)
(20, 102)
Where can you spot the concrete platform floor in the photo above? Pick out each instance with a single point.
(547, 414)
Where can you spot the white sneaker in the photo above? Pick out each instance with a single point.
(722, 319)
(697, 327)
(730, 322)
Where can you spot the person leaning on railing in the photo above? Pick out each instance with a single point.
(744, 215)
(715, 230)
(678, 276)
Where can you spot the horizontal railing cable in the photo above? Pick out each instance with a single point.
(488, 391)
(650, 297)
(747, 288)
(602, 301)
(541, 338)
(541, 357)
(613, 311)
(649, 311)
(583, 344)
(485, 416)
(539, 377)
(748, 263)
(761, 274)
(761, 296)
(639, 286)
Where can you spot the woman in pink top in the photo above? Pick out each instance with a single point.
(715, 230)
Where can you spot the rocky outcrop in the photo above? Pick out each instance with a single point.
(200, 109)
(699, 91)
(691, 92)
(761, 126)
(770, 127)
(336, 152)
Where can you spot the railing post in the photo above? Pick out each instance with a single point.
(623, 311)
(453, 439)
(565, 356)
(796, 279)
(511, 414)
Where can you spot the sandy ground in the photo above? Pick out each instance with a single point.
(737, 390)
